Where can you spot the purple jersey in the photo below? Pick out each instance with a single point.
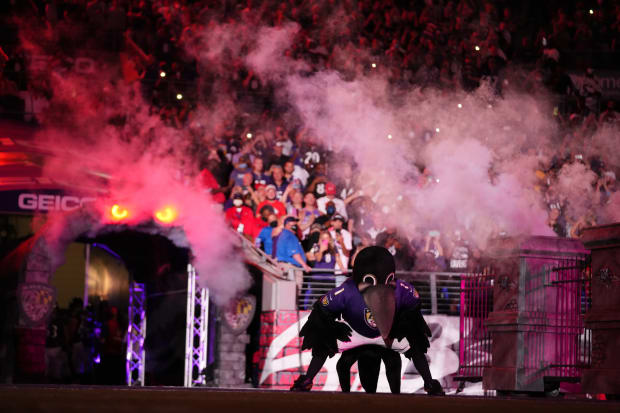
(347, 301)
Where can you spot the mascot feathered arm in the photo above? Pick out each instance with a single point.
(321, 332)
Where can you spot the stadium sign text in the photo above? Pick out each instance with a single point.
(49, 202)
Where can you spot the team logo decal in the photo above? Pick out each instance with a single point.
(370, 320)
(415, 293)
(325, 300)
(239, 313)
(36, 302)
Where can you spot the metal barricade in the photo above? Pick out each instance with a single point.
(476, 301)
(554, 346)
(569, 294)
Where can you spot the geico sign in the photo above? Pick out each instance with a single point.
(46, 202)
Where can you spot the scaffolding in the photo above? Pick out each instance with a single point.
(136, 332)
(196, 331)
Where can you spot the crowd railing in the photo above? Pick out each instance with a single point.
(440, 291)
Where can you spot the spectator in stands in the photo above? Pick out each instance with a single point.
(557, 222)
(345, 184)
(260, 178)
(308, 214)
(286, 246)
(318, 180)
(246, 183)
(270, 192)
(458, 252)
(210, 185)
(584, 221)
(295, 203)
(323, 255)
(398, 246)
(278, 180)
(264, 240)
(288, 169)
(283, 140)
(277, 157)
(241, 168)
(330, 196)
(343, 242)
(240, 217)
(434, 258)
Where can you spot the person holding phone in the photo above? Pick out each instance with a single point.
(325, 256)
(344, 244)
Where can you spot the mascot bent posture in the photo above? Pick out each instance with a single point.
(380, 318)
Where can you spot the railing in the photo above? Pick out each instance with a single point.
(439, 291)
(569, 284)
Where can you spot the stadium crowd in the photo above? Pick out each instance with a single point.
(276, 181)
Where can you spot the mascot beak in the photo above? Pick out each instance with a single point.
(382, 304)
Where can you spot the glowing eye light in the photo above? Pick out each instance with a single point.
(166, 215)
(118, 212)
(370, 279)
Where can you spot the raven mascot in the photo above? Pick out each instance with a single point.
(380, 318)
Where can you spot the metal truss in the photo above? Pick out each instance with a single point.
(136, 332)
(196, 331)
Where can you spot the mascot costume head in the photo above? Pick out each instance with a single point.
(373, 272)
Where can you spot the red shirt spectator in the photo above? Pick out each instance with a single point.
(277, 206)
(241, 217)
(207, 180)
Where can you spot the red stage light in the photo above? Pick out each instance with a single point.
(167, 214)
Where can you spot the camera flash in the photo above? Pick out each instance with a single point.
(389, 136)
(373, 65)
(162, 74)
(179, 96)
(477, 48)
(591, 11)
(459, 106)
(249, 136)
(437, 130)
